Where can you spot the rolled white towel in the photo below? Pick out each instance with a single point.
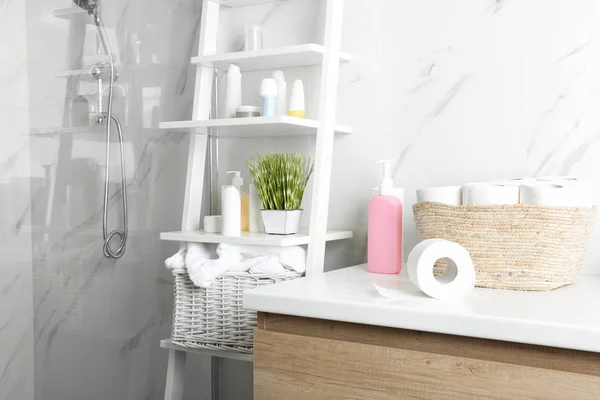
(201, 269)
(204, 273)
(268, 264)
(231, 258)
(177, 260)
(293, 258)
(196, 252)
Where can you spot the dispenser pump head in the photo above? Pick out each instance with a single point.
(237, 180)
(387, 184)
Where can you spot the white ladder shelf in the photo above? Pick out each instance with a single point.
(203, 129)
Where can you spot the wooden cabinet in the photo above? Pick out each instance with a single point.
(303, 358)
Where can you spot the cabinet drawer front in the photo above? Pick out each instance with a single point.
(293, 367)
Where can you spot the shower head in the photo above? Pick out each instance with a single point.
(92, 7)
(88, 5)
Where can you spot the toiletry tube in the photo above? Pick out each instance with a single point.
(212, 223)
(233, 91)
(446, 195)
(247, 112)
(551, 194)
(281, 107)
(490, 194)
(231, 208)
(268, 92)
(256, 222)
(458, 280)
(297, 106)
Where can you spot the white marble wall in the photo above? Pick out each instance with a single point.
(16, 308)
(98, 322)
(454, 91)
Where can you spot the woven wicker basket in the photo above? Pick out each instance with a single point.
(519, 247)
(214, 318)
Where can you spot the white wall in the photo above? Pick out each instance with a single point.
(454, 91)
(16, 297)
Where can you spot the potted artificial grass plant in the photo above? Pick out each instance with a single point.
(280, 180)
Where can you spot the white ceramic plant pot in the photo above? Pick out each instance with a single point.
(280, 222)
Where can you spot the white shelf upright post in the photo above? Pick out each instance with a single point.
(201, 126)
(324, 149)
(194, 183)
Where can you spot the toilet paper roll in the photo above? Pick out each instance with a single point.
(488, 194)
(585, 188)
(458, 280)
(552, 194)
(556, 178)
(213, 223)
(513, 181)
(447, 195)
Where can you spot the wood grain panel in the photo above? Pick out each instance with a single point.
(295, 367)
(490, 350)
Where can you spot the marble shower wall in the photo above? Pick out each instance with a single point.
(16, 307)
(98, 322)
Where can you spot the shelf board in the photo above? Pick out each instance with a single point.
(95, 133)
(111, 13)
(168, 344)
(243, 3)
(281, 125)
(251, 238)
(83, 74)
(274, 58)
(57, 131)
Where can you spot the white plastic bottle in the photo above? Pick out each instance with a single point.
(281, 106)
(231, 208)
(268, 92)
(233, 94)
(297, 106)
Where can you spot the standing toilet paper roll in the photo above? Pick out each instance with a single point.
(552, 194)
(447, 195)
(458, 280)
(513, 181)
(212, 223)
(585, 188)
(556, 178)
(490, 194)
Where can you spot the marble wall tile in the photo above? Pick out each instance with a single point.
(428, 86)
(16, 308)
(98, 320)
(563, 85)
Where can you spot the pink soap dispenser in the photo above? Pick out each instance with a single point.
(385, 227)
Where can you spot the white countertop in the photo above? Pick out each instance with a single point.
(568, 317)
